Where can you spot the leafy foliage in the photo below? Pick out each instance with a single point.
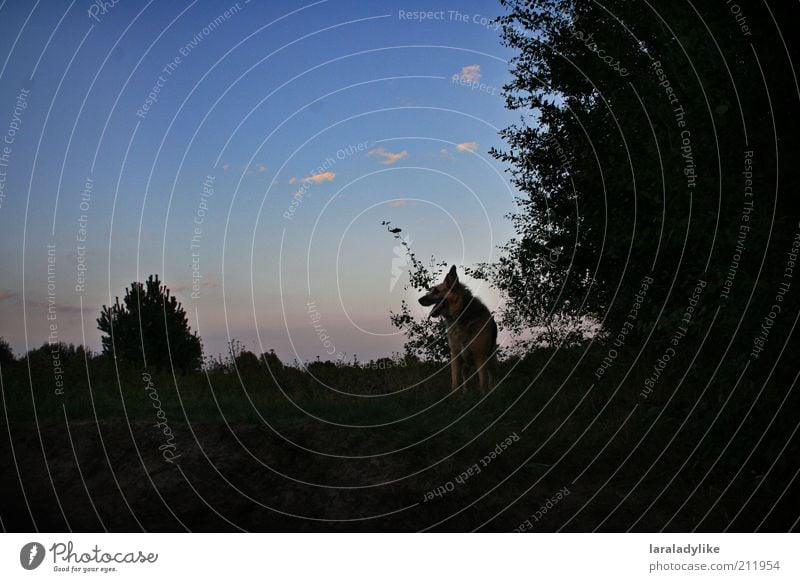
(150, 328)
(535, 311)
(629, 156)
(6, 353)
(426, 338)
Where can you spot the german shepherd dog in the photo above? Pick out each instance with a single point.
(471, 330)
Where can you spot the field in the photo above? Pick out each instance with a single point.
(386, 446)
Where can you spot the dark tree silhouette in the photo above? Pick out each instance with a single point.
(150, 328)
(6, 353)
(271, 360)
(630, 155)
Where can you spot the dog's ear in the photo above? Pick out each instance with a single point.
(452, 277)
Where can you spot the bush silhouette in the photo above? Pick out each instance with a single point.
(150, 329)
(426, 338)
(6, 353)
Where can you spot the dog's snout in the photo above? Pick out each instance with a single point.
(430, 298)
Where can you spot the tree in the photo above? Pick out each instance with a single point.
(150, 328)
(6, 353)
(426, 338)
(536, 310)
(271, 360)
(630, 151)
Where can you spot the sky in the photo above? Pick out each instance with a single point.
(247, 153)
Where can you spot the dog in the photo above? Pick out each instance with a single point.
(471, 330)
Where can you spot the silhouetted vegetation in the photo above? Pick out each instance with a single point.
(426, 338)
(631, 156)
(631, 194)
(150, 328)
(6, 353)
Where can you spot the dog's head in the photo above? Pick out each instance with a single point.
(437, 296)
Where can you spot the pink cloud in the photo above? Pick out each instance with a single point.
(389, 158)
(7, 295)
(467, 146)
(471, 73)
(319, 178)
(66, 309)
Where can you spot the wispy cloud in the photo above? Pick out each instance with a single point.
(389, 158)
(292, 180)
(467, 146)
(398, 203)
(66, 309)
(249, 169)
(75, 310)
(7, 295)
(471, 73)
(320, 178)
(445, 153)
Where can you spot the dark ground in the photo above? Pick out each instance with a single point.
(628, 464)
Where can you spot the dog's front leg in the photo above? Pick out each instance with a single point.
(456, 363)
(455, 372)
(484, 375)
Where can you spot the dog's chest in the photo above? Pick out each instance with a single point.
(459, 335)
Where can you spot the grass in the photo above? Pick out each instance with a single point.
(680, 448)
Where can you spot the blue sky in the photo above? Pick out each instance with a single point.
(309, 124)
